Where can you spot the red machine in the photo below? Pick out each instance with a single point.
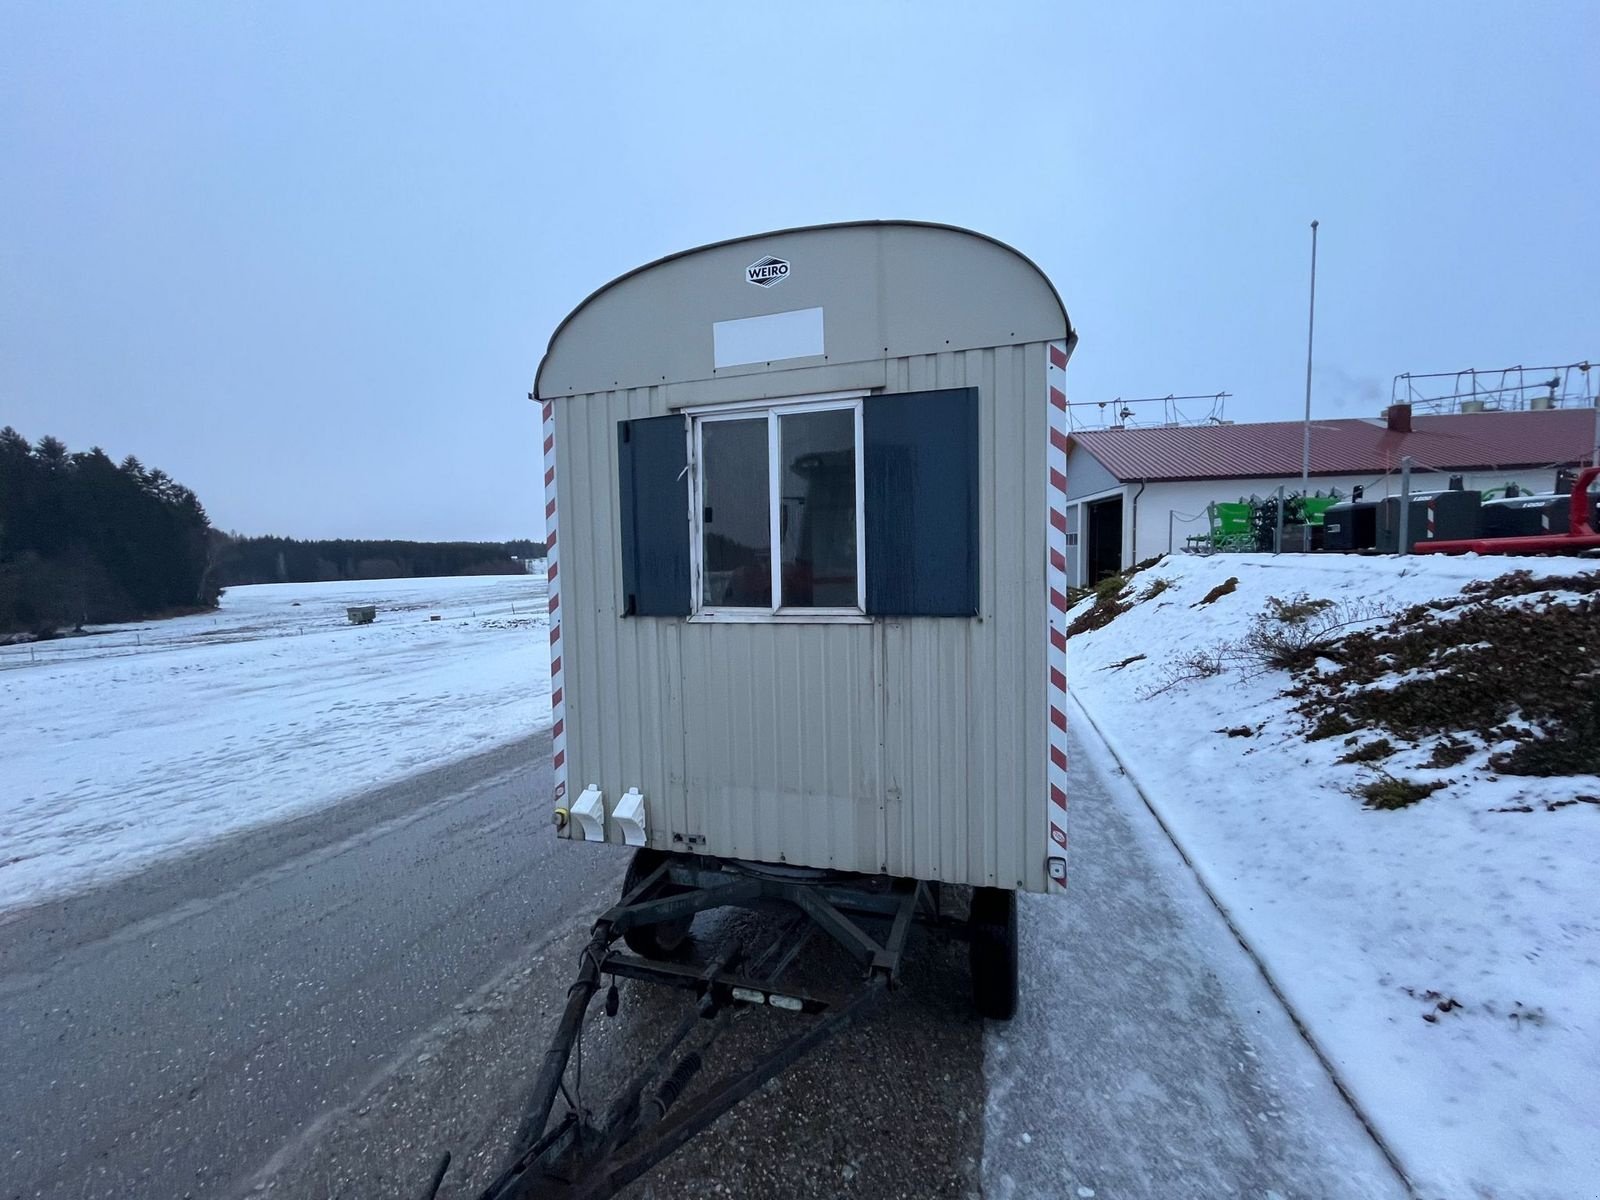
(1580, 534)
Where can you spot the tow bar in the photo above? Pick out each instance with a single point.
(664, 1103)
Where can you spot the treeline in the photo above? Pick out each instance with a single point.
(87, 540)
(292, 560)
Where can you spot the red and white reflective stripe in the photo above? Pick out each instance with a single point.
(1056, 585)
(1430, 520)
(552, 558)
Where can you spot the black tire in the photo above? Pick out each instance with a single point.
(666, 938)
(992, 953)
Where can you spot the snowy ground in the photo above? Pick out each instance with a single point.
(1148, 1059)
(141, 742)
(1371, 921)
(144, 740)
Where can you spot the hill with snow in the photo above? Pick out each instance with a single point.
(1386, 772)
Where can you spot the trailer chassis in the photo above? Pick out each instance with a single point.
(586, 1156)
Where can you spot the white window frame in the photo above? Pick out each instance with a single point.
(699, 417)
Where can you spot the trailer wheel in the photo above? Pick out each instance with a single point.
(666, 938)
(992, 952)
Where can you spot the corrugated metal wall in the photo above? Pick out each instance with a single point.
(910, 746)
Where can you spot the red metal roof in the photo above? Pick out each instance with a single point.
(1454, 442)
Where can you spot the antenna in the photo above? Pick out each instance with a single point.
(1125, 411)
(1497, 389)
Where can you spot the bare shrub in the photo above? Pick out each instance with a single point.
(1292, 634)
(1372, 752)
(1296, 609)
(1127, 662)
(1193, 665)
(1329, 725)
(1470, 677)
(1222, 589)
(1449, 751)
(1154, 590)
(1389, 793)
(1110, 602)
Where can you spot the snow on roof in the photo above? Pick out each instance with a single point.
(1453, 442)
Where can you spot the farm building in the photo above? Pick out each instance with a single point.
(1137, 492)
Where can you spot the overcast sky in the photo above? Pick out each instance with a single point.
(306, 256)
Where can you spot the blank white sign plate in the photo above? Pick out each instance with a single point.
(794, 334)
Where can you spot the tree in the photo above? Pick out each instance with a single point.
(52, 453)
(83, 539)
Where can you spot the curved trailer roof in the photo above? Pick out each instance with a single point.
(885, 289)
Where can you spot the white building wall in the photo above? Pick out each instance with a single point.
(1184, 504)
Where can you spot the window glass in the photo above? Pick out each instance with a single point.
(817, 520)
(736, 553)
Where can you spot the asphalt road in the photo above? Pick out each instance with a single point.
(321, 1009)
(164, 1036)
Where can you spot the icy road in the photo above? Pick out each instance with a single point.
(322, 1006)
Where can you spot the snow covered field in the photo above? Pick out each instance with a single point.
(1445, 956)
(144, 740)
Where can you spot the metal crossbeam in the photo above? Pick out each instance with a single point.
(685, 904)
(837, 926)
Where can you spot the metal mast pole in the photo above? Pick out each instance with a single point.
(1311, 328)
(1404, 540)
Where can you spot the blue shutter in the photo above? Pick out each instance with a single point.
(652, 466)
(921, 503)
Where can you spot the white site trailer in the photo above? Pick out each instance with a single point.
(805, 497)
(805, 501)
